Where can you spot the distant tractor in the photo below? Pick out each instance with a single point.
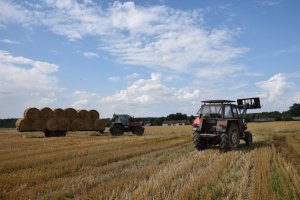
(222, 122)
(125, 123)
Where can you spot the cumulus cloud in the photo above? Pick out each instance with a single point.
(152, 36)
(275, 87)
(26, 82)
(145, 94)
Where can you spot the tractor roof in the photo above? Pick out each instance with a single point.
(217, 101)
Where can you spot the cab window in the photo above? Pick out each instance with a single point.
(228, 112)
(235, 112)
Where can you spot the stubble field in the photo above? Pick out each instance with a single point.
(162, 164)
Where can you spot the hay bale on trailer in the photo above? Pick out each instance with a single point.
(59, 113)
(88, 125)
(77, 125)
(83, 114)
(46, 113)
(63, 124)
(23, 125)
(39, 125)
(71, 114)
(52, 124)
(32, 114)
(94, 114)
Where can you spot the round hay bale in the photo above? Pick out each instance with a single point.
(38, 125)
(23, 125)
(59, 113)
(77, 125)
(71, 114)
(46, 113)
(63, 124)
(94, 114)
(32, 114)
(52, 124)
(88, 125)
(99, 124)
(83, 114)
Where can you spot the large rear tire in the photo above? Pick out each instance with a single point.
(233, 136)
(117, 129)
(138, 130)
(199, 143)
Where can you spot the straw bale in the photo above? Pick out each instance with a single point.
(58, 113)
(77, 125)
(32, 114)
(94, 114)
(39, 125)
(52, 124)
(88, 125)
(46, 113)
(83, 114)
(23, 125)
(99, 124)
(63, 124)
(71, 114)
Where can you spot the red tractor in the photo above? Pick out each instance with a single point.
(125, 123)
(221, 122)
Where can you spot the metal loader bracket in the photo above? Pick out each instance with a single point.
(248, 103)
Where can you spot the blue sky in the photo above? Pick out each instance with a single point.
(147, 58)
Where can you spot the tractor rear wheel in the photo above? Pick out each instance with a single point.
(248, 139)
(233, 136)
(138, 130)
(117, 129)
(200, 144)
(224, 142)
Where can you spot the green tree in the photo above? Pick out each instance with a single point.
(295, 109)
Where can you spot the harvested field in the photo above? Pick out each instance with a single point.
(162, 164)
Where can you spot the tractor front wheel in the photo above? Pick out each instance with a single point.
(138, 130)
(224, 142)
(248, 139)
(117, 129)
(199, 143)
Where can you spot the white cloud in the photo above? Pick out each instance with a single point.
(26, 82)
(296, 98)
(11, 12)
(83, 99)
(152, 36)
(150, 97)
(275, 87)
(90, 54)
(7, 41)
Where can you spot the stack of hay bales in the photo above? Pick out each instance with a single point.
(59, 119)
